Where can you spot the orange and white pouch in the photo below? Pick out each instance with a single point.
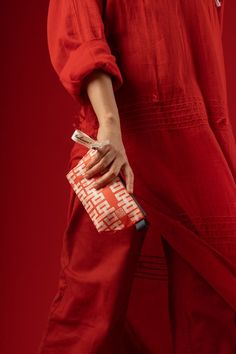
(110, 208)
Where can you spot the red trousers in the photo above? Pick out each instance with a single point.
(133, 292)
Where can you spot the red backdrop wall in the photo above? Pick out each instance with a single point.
(36, 125)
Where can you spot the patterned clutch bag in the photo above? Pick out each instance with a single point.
(110, 208)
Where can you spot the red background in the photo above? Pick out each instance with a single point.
(36, 124)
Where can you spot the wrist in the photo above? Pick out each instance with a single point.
(109, 120)
(110, 129)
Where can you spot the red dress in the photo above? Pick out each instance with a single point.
(170, 288)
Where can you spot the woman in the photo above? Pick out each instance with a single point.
(149, 76)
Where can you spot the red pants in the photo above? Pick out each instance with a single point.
(133, 293)
(201, 320)
(88, 312)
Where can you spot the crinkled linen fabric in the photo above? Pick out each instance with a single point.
(170, 288)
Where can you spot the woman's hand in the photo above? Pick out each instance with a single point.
(111, 159)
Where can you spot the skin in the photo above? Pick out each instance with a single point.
(111, 159)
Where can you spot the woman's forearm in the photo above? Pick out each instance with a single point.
(101, 95)
(111, 158)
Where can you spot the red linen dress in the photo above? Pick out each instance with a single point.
(170, 288)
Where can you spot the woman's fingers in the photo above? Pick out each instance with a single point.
(113, 172)
(108, 176)
(98, 156)
(101, 164)
(109, 163)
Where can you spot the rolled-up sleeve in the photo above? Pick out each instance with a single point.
(77, 44)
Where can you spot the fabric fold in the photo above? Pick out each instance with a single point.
(78, 46)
